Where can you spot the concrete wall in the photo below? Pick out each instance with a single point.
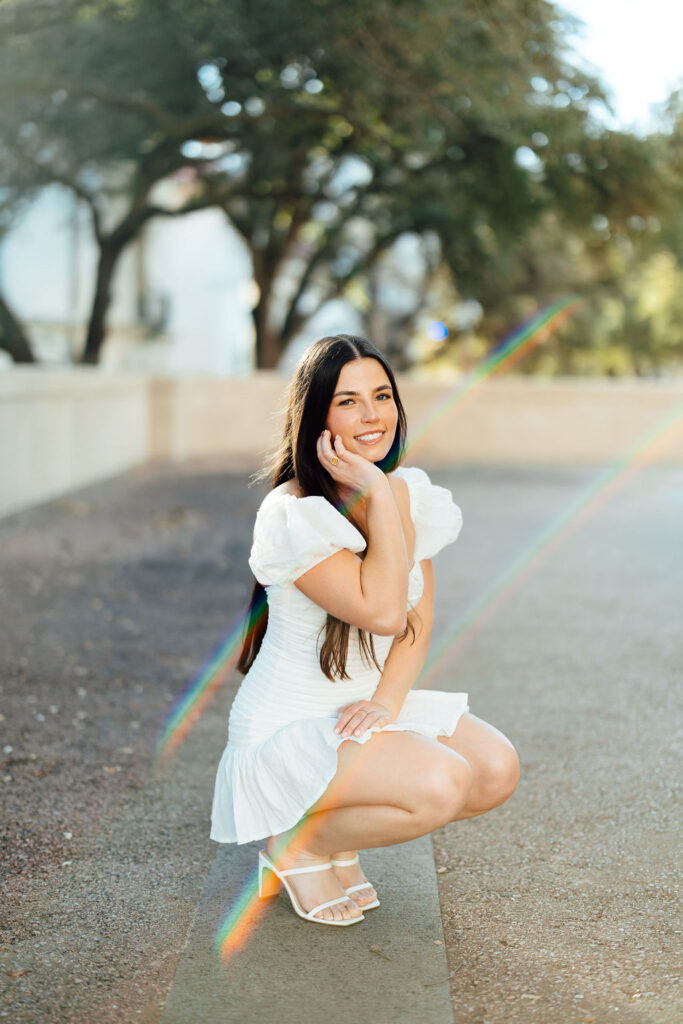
(63, 430)
(197, 417)
(509, 420)
(530, 420)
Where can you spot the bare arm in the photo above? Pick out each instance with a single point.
(371, 593)
(405, 660)
(401, 669)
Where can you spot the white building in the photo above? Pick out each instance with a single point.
(182, 294)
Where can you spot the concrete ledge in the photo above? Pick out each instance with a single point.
(388, 969)
(196, 417)
(60, 430)
(536, 421)
(519, 420)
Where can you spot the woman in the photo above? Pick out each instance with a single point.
(330, 750)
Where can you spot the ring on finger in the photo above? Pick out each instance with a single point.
(334, 460)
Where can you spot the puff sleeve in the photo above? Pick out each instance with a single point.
(292, 534)
(436, 517)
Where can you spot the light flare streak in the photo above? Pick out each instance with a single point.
(234, 929)
(568, 520)
(246, 910)
(199, 692)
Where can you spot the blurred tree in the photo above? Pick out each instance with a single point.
(13, 337)
(17, 189)
(627, 260)
(324, 129)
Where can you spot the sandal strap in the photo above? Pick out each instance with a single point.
(330, 903)
(344, 863)
(301, 871)
(363, 885)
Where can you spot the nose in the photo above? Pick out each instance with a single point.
(369, 413)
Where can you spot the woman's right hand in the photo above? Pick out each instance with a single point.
(351, 470)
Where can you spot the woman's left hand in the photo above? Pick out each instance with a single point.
(355, 718)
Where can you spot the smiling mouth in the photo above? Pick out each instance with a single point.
(370, 438)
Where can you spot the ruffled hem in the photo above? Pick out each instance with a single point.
(267, 788)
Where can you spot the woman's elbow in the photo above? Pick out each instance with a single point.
(391, 625)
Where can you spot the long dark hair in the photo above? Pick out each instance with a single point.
(308, 401)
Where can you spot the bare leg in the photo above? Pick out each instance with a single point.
(369, 826)
(495, 768)
(494, 763)
(394, 788)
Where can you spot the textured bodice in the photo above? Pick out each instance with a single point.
(291, 535)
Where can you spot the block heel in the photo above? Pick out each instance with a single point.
(268, 882)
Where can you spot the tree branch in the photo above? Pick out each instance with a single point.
(140, 104)
(51, 176)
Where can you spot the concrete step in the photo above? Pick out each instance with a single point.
(274, 967)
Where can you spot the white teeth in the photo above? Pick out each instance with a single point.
(368, 437)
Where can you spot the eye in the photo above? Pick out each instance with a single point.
(345, 400)
(384, 394)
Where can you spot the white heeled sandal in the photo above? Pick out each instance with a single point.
(356, 888)
(269, 878)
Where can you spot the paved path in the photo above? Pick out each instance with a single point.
(559, 906)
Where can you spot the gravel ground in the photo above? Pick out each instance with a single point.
(559, 906)
(110, 600)
(564, 903)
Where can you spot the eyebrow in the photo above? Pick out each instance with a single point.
(382, 387)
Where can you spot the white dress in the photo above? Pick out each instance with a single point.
(281, 749)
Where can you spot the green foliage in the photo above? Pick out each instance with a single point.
(327, 129)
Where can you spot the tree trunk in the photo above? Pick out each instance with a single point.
(12, 336)
(106, 265)
(268, 342)
(268, 348)
(111, 248)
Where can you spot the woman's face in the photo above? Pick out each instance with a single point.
(363, 409)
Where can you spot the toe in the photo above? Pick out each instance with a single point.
(364, 896)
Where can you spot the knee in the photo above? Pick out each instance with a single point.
(446, 789)
(500, 776)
